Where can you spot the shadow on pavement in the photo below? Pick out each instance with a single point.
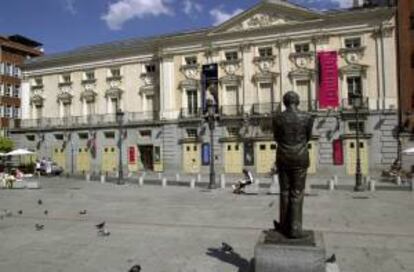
(232, 258)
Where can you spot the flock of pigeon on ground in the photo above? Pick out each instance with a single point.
(102, 231)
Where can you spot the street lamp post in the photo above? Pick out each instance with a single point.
(119, 119)
(211, 119)
(357, 103)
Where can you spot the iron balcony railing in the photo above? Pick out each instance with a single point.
(88, 120)
(187, 113)
(308, 105)
(265, 108)
(348, 103)
(231, 110)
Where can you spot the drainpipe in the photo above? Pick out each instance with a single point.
(377, 72)
(399, 85)
(279, 45)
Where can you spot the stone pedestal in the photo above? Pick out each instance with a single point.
(275, 253)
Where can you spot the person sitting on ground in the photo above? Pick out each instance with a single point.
(238, 188)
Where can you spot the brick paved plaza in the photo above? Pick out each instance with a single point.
(180, 229)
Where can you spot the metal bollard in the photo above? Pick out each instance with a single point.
(275, 186)
(177, 177)
(159, 175)
(335, 180)
(192, 183)
(223, 181)
(103, 178)
(372, 185)
(198, 177)
(141, 181)
(308, 187)
(331, 185)
(412, 184)
(88, 177)
(398, 180)
(257, 185)
(164, 182)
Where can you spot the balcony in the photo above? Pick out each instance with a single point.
(231, 110)
(308, 105)
(190, 113)
(89, 120)
(347, 103)
(265, 108)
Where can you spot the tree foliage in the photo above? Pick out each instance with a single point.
(6, 144)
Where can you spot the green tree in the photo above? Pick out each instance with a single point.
(6, 144)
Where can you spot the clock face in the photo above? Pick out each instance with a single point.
(301, 62)
(352, 57)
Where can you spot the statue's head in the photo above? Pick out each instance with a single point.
(291, 98)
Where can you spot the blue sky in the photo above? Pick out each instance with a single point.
(62, 25)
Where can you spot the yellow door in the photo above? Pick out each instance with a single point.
(312, 148)
(352, 155)
(109, 160)
(83, 161)
(265, 156)
(59, 157)
(191, 158)
(233, 158)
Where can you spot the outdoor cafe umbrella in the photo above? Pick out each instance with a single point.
(409, 151)
(19, 152)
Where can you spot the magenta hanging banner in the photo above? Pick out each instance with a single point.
(328, 80)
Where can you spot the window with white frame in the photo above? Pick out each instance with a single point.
(302, 48)
(65, 78)
(89, 75)
(192, 133)
(265, 94)
(231, 55)
(2, 68)
(9, 69)
(150, 68)
(192, 60)
(192, 101)
(7, 111)
(38, 81)
(16, 71)
(90, 108)
(115, 72)
(265, 52)
(354, 42)
(2, 87)
(8, 90)
(354, 84)
(16, 91)
(231, 94)
(66, 110)
(16, 112)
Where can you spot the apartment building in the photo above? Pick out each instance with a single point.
(14, 50)
(332, 59)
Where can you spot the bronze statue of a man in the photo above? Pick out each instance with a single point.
(292, 131)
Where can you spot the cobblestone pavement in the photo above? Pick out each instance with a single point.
(179, 229)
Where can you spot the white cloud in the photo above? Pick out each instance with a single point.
(344, 3)
(191, 6)
(125, 10)
(220, 16)
(70, 6)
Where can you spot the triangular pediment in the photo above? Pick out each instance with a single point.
(268, 13)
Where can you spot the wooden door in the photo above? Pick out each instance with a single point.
(191, 158)
(266, 156)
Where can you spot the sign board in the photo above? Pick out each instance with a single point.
(328, 80)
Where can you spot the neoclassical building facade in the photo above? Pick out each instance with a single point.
(332, 59)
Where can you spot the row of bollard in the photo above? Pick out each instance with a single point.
(332, 183)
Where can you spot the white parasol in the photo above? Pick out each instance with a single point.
(19, 152)
(409, 151)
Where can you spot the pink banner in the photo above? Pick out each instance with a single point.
(328, 80)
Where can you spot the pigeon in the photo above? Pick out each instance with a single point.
(100, 226)
(20, 212)
(39, 227)
(135, 268)
(103, 232)
(226, 247)
(331, 259)
(40, 202)
(83, 212)
(46, 212)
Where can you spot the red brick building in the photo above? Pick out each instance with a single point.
(14, 49)
(405, 17)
